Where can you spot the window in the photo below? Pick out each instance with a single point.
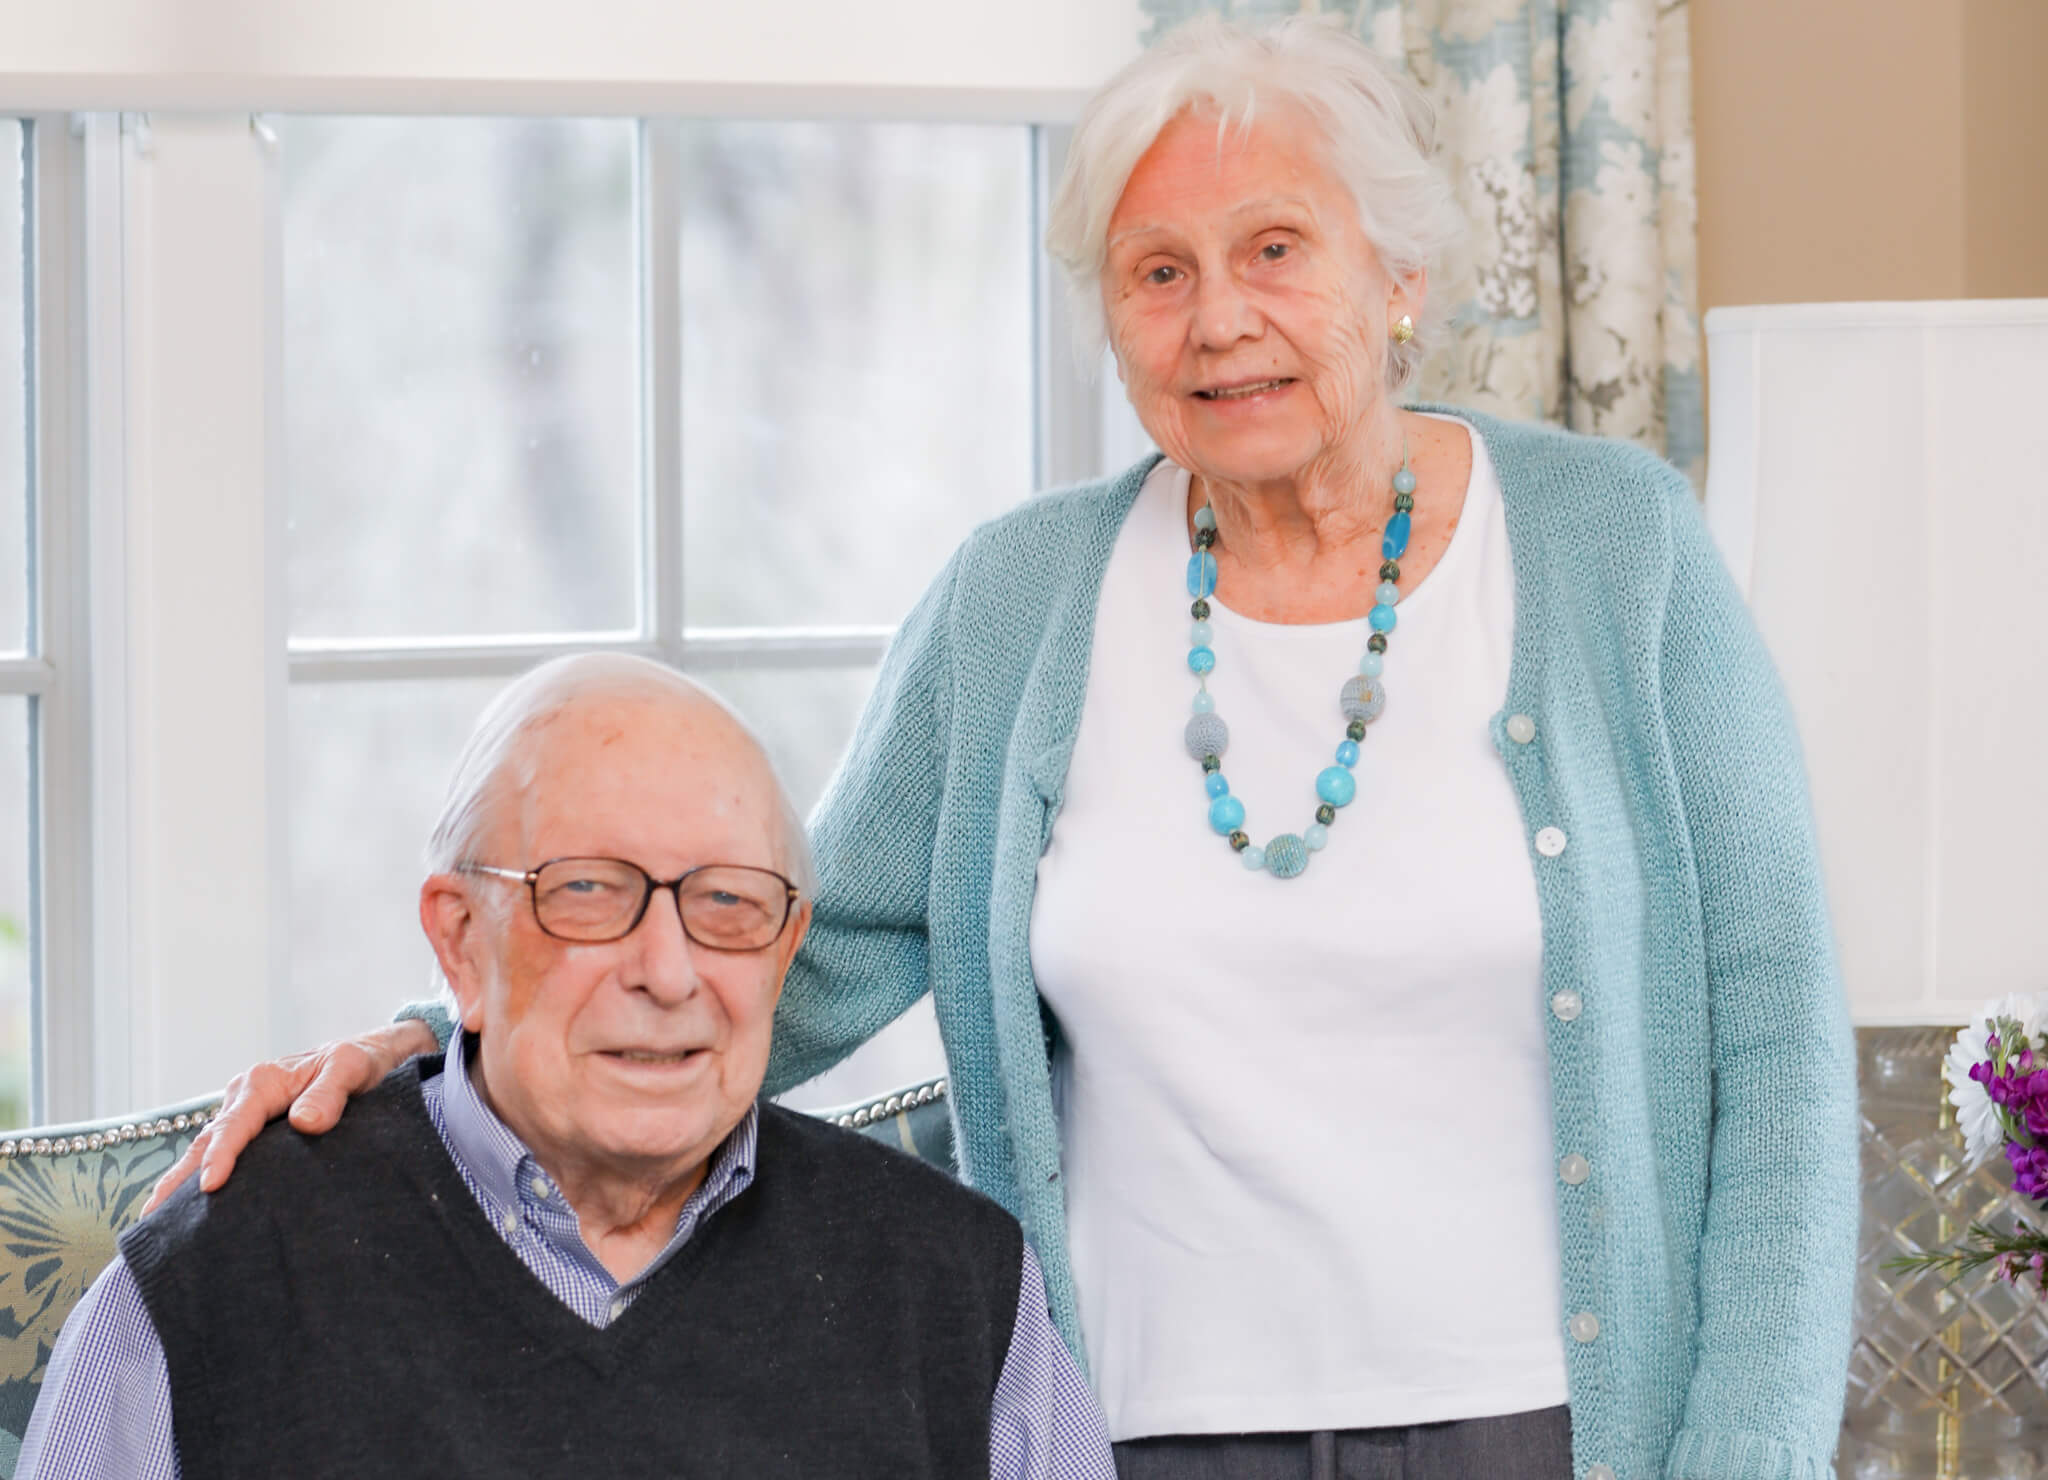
(24, 677)
(726, 393)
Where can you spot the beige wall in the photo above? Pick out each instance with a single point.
(1871, 149)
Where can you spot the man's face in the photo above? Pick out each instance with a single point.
(635, 1056)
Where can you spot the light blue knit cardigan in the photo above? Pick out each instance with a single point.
(1711, 1077)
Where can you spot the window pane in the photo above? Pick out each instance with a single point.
(857, 360)
(805, 717)
(461, 376)
(14, 552)
(17, 919)
(369, 765)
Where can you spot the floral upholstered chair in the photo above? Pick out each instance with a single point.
(67, 1192)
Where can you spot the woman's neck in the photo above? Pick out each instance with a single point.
(1306, 549)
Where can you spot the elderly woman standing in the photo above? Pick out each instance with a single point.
(1361, 861)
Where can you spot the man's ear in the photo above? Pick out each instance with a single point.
(452, 917)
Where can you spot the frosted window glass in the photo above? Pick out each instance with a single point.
(14, 506)
(857, 361)
(462, 363)
(17, 920)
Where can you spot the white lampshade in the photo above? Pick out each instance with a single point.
(1879, 486)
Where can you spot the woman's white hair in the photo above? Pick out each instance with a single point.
(495, 753)
(1381, 132)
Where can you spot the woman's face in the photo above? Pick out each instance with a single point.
(1247, 310)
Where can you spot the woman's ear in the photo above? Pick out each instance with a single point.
(452, 917)
(1408, 295)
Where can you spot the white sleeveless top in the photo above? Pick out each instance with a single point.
(1305, 1122)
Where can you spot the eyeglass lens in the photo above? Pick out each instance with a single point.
(727, 907)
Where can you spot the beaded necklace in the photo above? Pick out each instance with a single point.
(1362, 698)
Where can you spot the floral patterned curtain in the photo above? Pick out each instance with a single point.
(1567, 130)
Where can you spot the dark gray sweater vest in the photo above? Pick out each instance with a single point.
(343, 1308)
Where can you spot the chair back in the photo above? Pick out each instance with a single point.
(68, 1191)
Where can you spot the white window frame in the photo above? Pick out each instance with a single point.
(165, 880)
(55, 675)
(1066, 438)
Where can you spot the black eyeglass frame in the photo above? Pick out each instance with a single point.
(531, 879)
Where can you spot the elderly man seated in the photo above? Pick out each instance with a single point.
(581, 1244)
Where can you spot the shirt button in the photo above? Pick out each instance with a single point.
(1566, 1004)
(1599, 1472)
(618, 1307)
(1585, 1326)
(1521, 729)
(540, 1187)
(1550, 841)
(510, 1223)
(1574, 1169)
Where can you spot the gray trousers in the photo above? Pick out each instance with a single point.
(1525, 1446)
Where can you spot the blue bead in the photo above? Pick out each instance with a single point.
(1201, 634)
(1205, 517)
(1381, 617)
(1388, 593)
(1347, 754)
(1286, 856)
(1371, 665)
(1253, 858)
(1393, 544)
(1205, 735)
(1226, 814)
(1216, 785)
(1205, 702)
(1203, 660)
(1404, 481)
(1202, 573)
(1336, 786)
(1316, 836)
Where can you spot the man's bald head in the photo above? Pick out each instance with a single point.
(501, 758)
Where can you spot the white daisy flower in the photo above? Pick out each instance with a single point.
(1975, 1114)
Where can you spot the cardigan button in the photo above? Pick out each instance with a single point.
(1599, 1472)
(1521, 729)
(1550, 841)
(1566, 1005)
(1574, 1169)
(1585, 1326)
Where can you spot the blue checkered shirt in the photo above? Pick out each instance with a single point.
(105, 1408)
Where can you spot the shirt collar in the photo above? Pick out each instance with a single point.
(498, 1161)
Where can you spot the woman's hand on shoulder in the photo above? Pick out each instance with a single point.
(314, 1087)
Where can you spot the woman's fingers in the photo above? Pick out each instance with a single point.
(314, 1087)
(346, 1068)
(255, 1098)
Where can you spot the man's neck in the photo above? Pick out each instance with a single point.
(626, 1217)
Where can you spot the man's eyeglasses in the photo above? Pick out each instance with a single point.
(723, 906)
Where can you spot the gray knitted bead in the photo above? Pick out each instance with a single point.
(1363, 699)
(1208, 735)
(1286, 856)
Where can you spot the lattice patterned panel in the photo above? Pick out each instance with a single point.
(1947, 1380)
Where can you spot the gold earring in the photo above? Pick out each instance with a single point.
(1404, 329)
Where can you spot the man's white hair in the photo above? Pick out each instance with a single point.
(1381, 132)
(495, 748)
